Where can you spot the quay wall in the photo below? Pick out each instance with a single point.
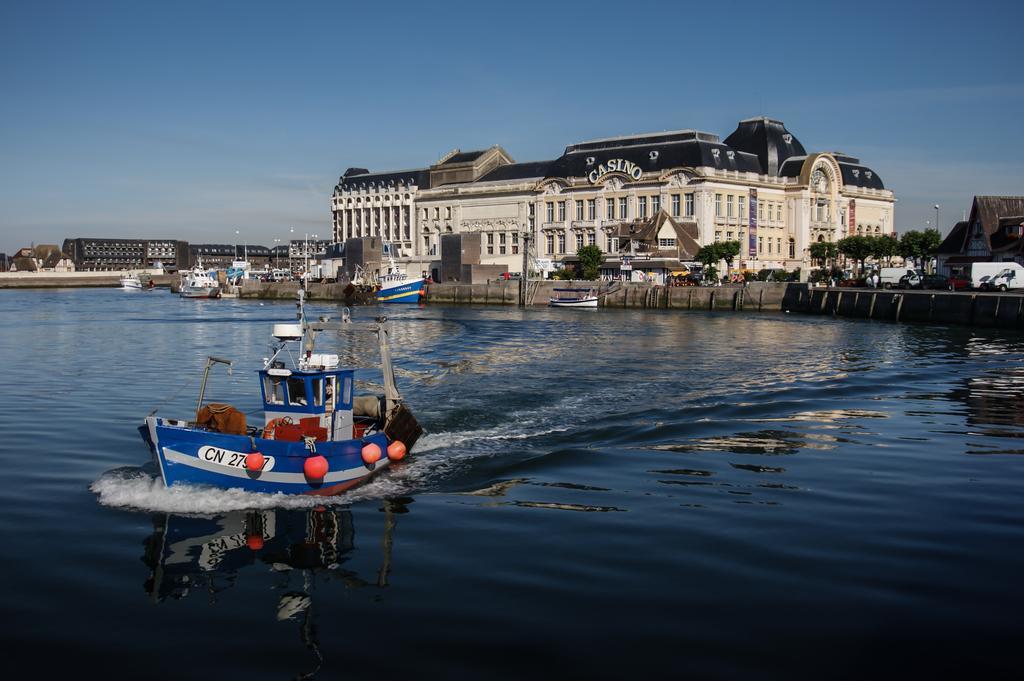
(73, 279)
(966, 308)
(755, 296)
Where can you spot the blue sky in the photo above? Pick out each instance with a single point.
(192, 120)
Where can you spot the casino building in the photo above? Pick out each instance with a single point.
(759, 186)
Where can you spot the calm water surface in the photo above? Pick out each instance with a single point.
(601, 494)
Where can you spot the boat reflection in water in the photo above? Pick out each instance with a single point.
(203, 554)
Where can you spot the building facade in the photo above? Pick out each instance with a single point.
(125, 254)
(992, 232)
(759, 187)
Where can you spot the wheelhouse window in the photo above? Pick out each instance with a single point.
(318, 391)
(296, 392)
(273, 386)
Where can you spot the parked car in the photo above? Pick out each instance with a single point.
(997, 276)
(852, 283)
(931, 282)
(960, 283)
(893, 276)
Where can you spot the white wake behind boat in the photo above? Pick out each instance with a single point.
(573, 297)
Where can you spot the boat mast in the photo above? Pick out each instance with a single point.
(210, 361)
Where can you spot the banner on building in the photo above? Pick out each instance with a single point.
(850, 230)
(752, 223)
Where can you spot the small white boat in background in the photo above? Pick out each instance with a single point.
(573, 297)
(130, 282)
(197, 283)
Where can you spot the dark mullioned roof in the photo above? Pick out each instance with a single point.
(767, 139)
(464, 157)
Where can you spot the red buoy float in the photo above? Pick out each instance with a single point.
(396, 450)
(315, 467)
(371, 454)
(254, 461)
(254, 542)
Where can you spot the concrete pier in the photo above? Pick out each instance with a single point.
(967, 308)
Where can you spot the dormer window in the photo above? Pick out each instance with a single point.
(856, 172)
(716, 152)
(590, 160)
(654, 155)
(787, 138)
(731, 154)
(868, 173)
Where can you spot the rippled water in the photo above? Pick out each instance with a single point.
(601, 494)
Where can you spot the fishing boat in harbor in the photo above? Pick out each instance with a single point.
(130, 282)
(574, 297)
(317, 436)
(396, 286)
(198, 283)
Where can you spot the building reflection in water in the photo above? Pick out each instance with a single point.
(994, 399)
(204, 554)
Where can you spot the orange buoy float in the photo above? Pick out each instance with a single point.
(254, 461)
(315, 467)
(254, 542)
(396, 450)
(371, 454)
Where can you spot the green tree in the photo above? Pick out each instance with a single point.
(590, 261)
(856, 248)
(884, 248)
(823, 251)
(919, 245)
(727, 250)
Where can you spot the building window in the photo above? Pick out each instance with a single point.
(792, 248)
(655, 204)
(591, 209)
(769, 246)
(613, 244)
(561, 211)
(579, 242)
(675, 205)
(742, 203)
(760, 244)
(760, 212)
(689, 205)
(624, 208)
(561, 243)
(550, 239)
(447, 212)
(490, 243)
(778, 212)
(501, 243)
(551, 211)
(610, 209)
(641, 206)
(437, 213)
(718, 205)
(515, 243)
(531, 210)
(579, 209)
(591, 239)
(728, 236)
(728, 205)
(718, 235)
(778, 246)
(666, 243)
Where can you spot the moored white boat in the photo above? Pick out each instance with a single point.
(130, 282)
(574, 297)
(197, 283)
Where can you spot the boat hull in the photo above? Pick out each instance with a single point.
(405, 292)
(191, 456)
(566, 302)
(200, 292)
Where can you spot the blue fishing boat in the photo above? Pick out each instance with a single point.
(317, 436)
(396, 286)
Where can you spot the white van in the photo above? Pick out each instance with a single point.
(889, 277)
(997, 276)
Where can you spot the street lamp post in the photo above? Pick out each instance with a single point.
(936, 216)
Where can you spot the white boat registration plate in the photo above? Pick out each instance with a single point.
(226, 457)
